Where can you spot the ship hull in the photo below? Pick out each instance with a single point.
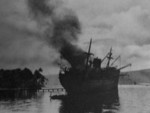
(76, 85)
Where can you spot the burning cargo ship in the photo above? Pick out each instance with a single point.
(90, 77)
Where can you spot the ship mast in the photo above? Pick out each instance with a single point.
(88, 54)
(87, 60)
(109, 57)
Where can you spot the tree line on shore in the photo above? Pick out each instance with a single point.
(21, 79)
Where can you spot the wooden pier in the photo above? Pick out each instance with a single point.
(43, 89)
(52, 91)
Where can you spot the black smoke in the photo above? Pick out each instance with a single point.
(39, 7)
(62, 28)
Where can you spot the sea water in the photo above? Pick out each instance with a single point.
(131, 99)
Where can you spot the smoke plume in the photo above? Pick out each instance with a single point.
(61, 28)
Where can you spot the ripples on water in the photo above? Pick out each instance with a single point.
(132, 99)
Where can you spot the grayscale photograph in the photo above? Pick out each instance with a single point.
(74, 56)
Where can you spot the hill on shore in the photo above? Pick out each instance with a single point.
(135, 77)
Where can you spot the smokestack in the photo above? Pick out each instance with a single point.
(62, 29)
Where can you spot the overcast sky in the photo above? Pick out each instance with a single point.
(122, 24)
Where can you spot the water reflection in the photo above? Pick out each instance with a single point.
(97, 103)
(132, 99)
(17, 94)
